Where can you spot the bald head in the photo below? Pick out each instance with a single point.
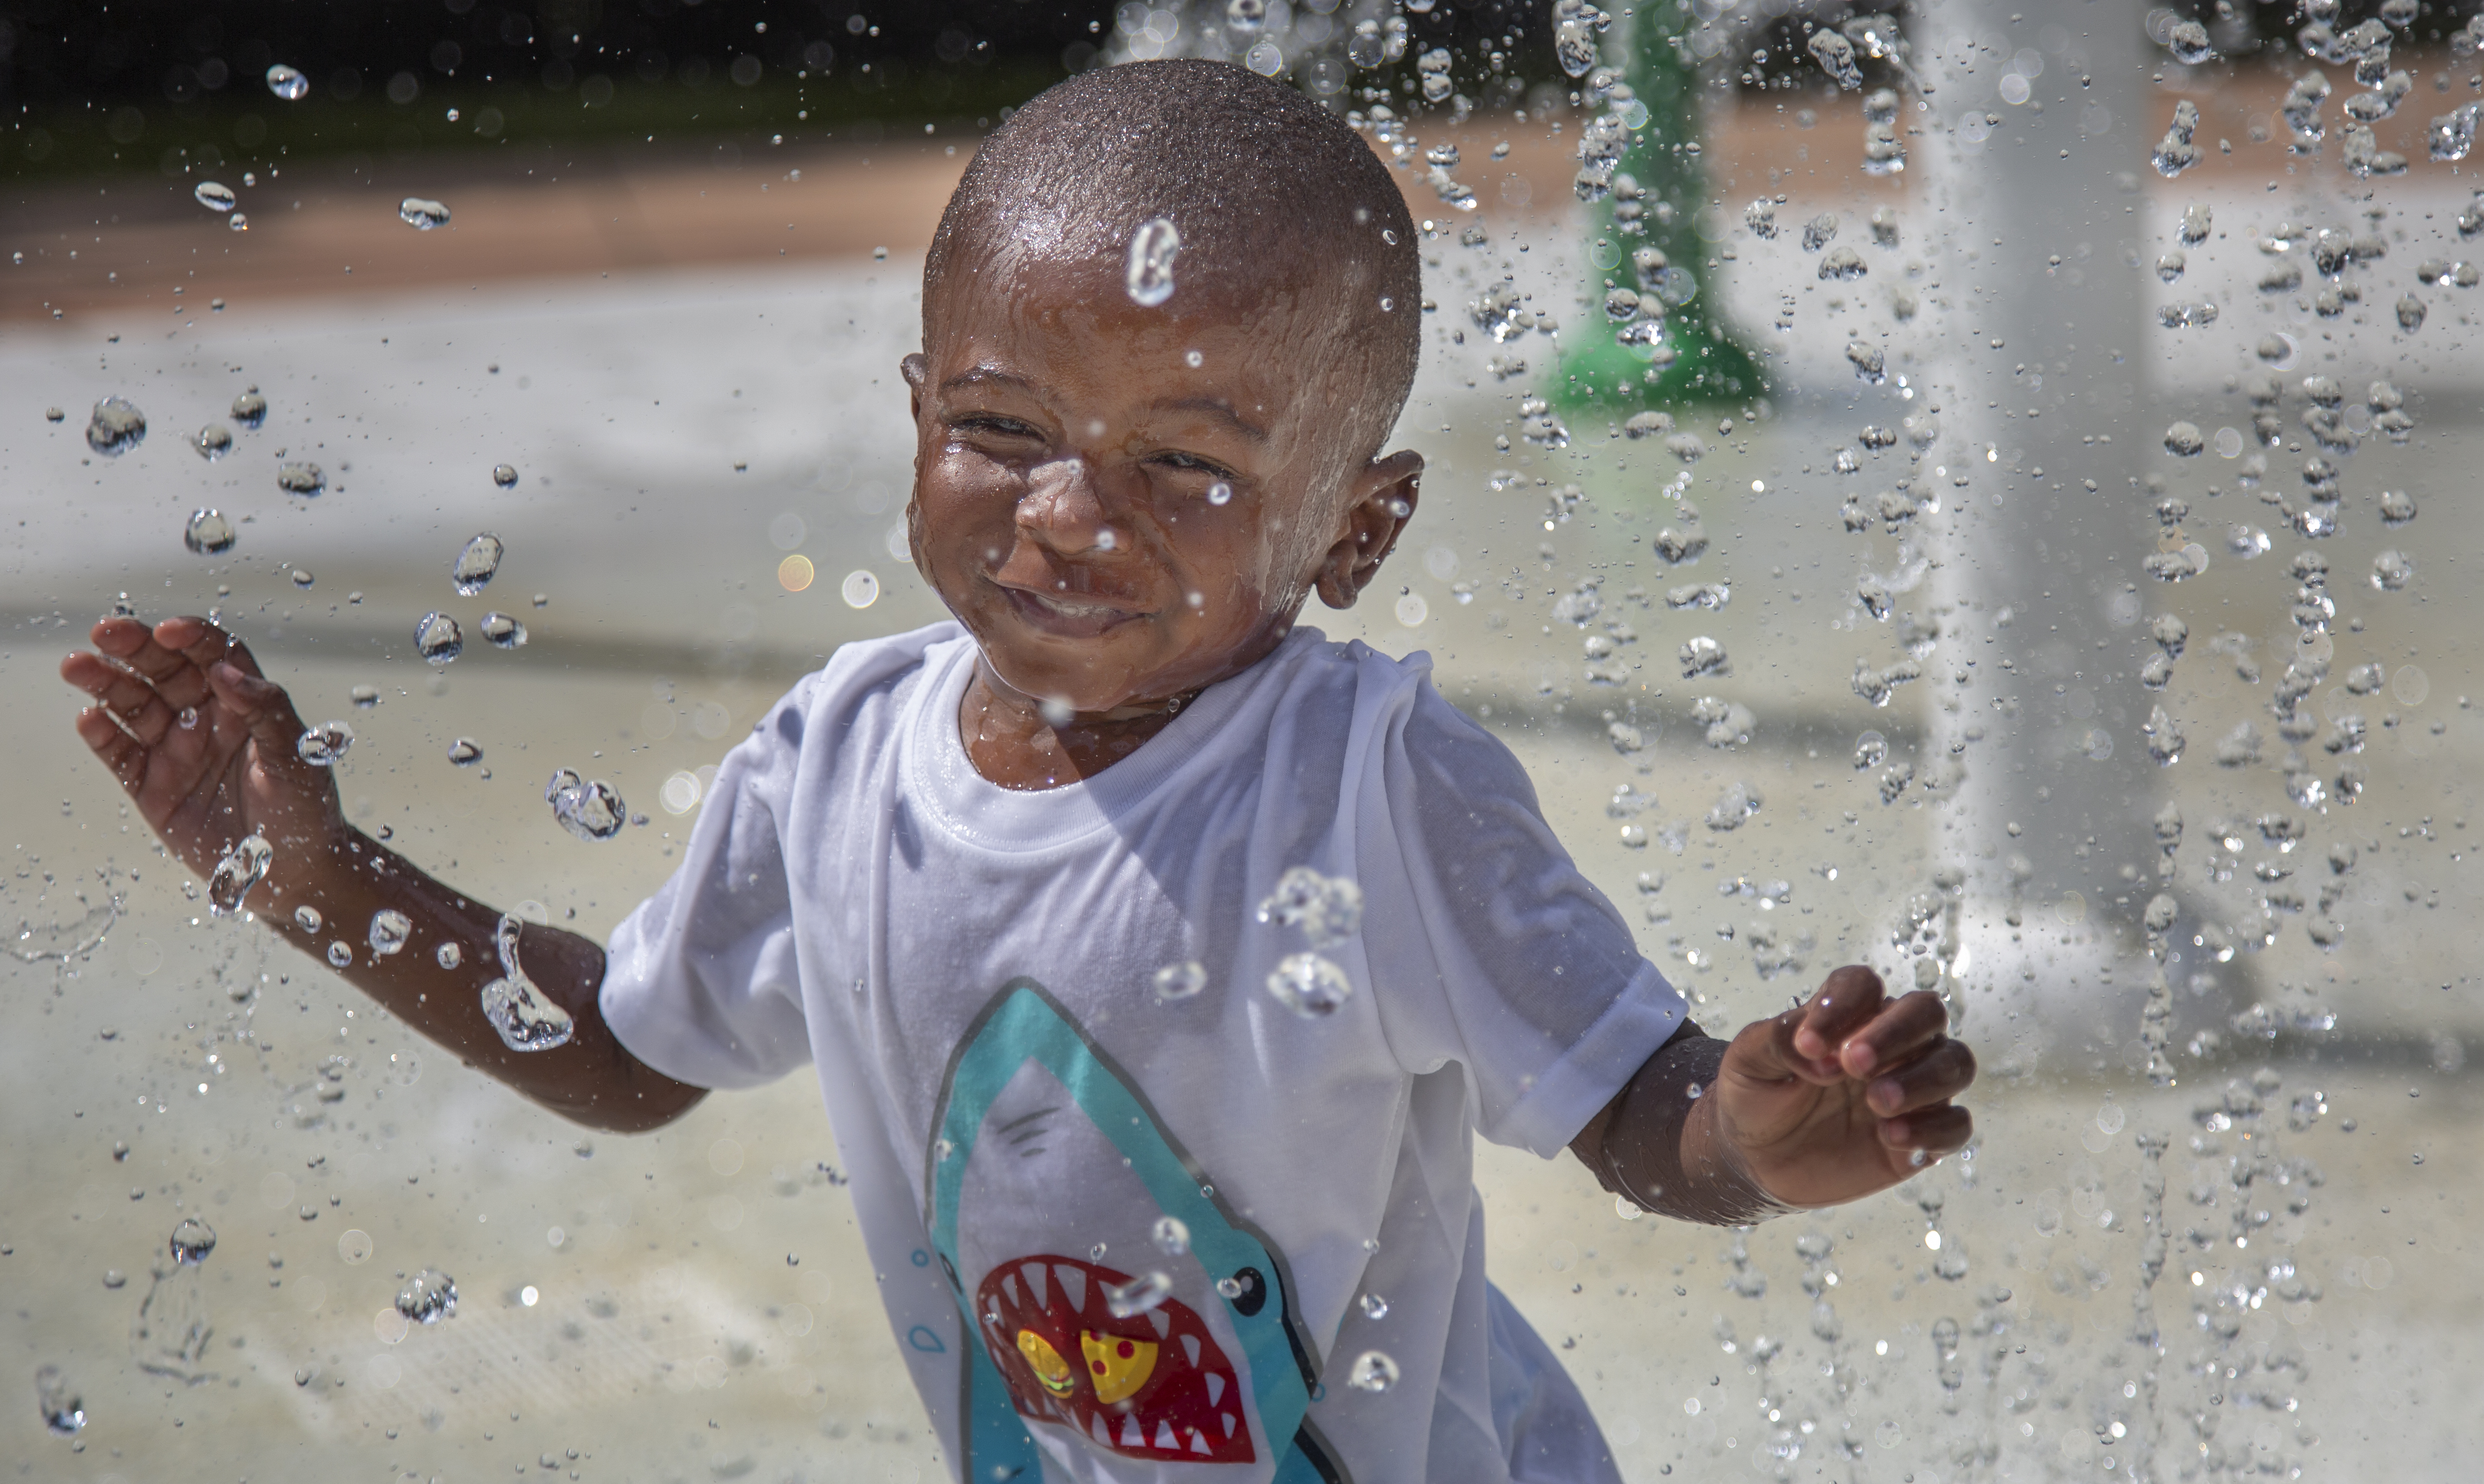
(1273, 198)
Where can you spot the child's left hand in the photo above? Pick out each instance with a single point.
(1847, 1095)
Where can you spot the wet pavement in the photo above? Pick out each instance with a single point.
(700, 1307)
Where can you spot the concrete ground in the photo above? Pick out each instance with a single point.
(700, 1308)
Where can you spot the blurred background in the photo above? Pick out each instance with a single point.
(2063, 611)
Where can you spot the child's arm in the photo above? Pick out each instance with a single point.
(1845, 1096)
(231, 770)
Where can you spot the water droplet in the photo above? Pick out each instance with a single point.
(2391, 571)
(504, 631)
(427, 1297)
(422, 215)
(237, 223)
(1246, 14)
(1373, 1370)
(590, 811)
(476, 565)
(341, 954)
(1171, 1235)
(241, 869)
(448, 956)
(2410, 312)
(215, 197)
(324, 745)
(465, 752)
(860, 589)
(1140, 1295)
(1738, 802)
(1309, 986)
(2188, 42)
(527, 1019)
(249, 409)
(287, 83)
(1329, 909)
(208, 533)
(1374, 1306)
(1220, 492)
(2452, 135)
(115, 426)
(1179, 981)
(213, 442)
(503, 475)
(63, 1410)
(438, 638)
(1836, 57)
(192, 1240)
(307, 918)
(388, 930)
(2184, 439)
(301, 478)
(1701, 656)
(1871, 750)
(1867, 362)
(1152, 250)
(2247, 541)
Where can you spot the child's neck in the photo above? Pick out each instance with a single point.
(1012, 743)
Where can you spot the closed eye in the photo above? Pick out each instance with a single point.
(1191, 463)
(997, 426)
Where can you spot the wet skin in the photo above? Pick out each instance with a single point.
(1067, 458)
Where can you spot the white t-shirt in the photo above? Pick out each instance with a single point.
(972, 971)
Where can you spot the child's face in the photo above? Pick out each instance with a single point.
(1124, 504)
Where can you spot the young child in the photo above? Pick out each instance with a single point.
(1126, 1224)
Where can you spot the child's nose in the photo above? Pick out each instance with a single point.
(1064, 510)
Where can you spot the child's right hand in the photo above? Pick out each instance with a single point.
(229, 769)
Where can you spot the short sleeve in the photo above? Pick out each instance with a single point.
(1487, 946)
(701, 982)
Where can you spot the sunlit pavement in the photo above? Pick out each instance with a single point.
(701, 1308)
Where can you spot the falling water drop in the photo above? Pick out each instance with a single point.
(215, 196)
(115, 426)
(438, 638)
(287, 83)
(208, 533)
(1152, 250)
(478, 562)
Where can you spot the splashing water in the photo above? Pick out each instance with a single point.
(242, 868)
(427, 1297)
(1329, 909)
(1152, 250)
(207, 534)
(527, 1019)
(192, 1241)
(389, 928)
(478, 562)
(1141, 1295)
(324, 745)
(1373, 1370)
(1309, 986)
(438, 639)
(590, 811)
(502, 631)
(115, 426)
(1836, 57)
(58, 1403)
(1179, 981)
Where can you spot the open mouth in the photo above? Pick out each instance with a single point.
(1152, 1386)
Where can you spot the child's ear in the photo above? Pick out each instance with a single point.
(1383, 498)
(917, 371)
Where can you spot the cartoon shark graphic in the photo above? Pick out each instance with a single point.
(1042, 1149)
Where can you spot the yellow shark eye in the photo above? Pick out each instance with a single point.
(1117, 1365)
(1050, 1369)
